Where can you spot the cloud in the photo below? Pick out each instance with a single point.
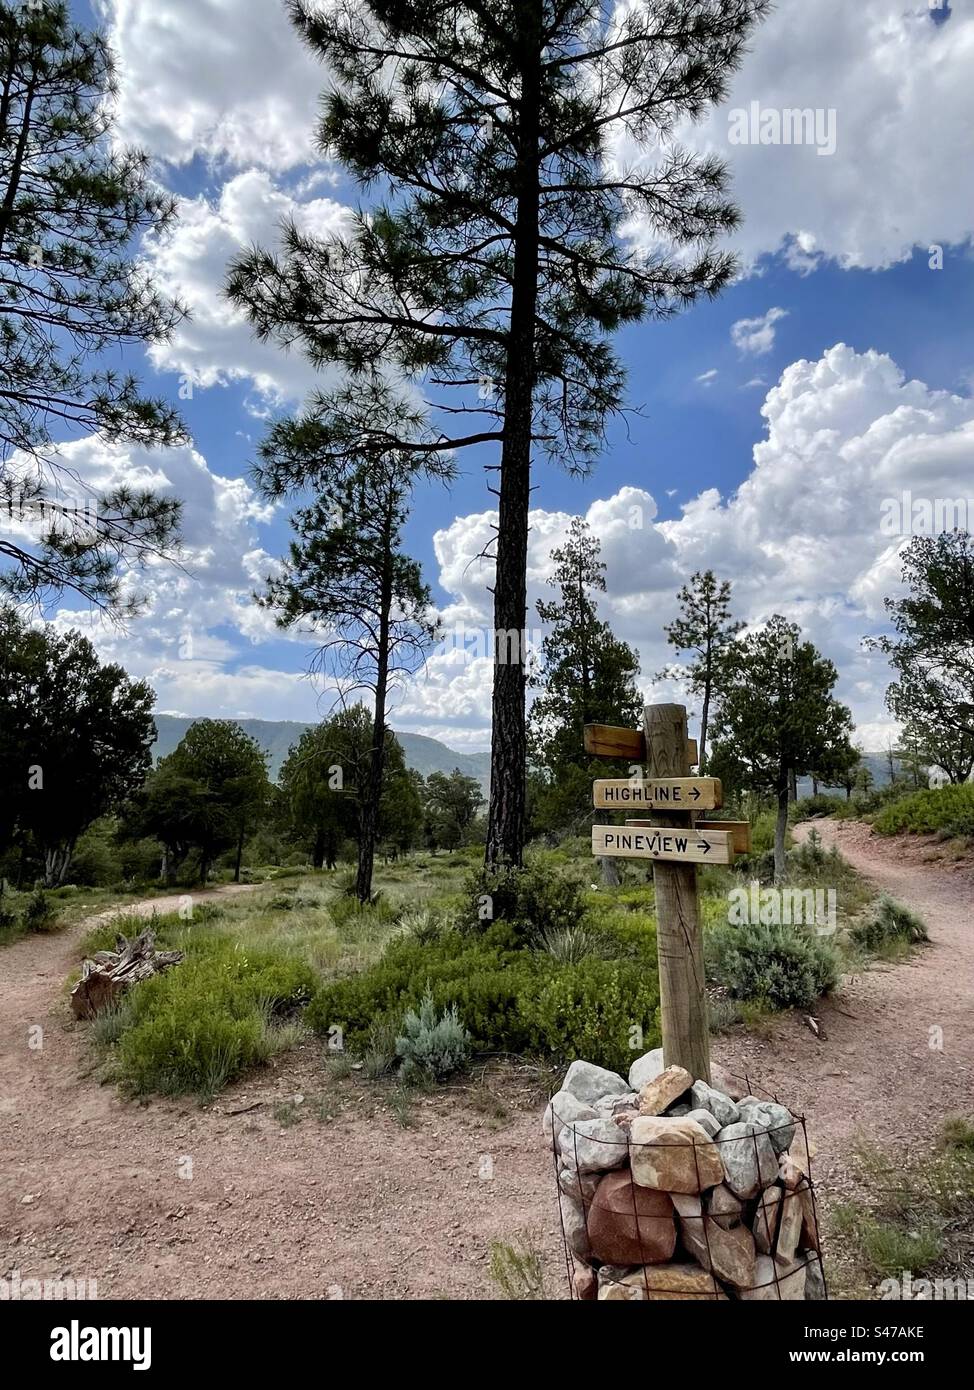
(756, 336)
(216, 345)
(802, 536)
(900, 87)
(708, 378)
(228, 80)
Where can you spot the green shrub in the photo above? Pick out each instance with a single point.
(204, 1021)
(38, 914)
(949, 808)
(605, 1011)
(431, 1045)
(533, 901)
(774, 966)
(810, 807)
(888, 924)
(484, 976)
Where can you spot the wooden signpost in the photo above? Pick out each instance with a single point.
(680, 793)
(675, 845)
(682, 847)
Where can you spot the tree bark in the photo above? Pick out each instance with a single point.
(240, 845)
(679, 936)
(781, 826)
(373, 791)
(318, 852)
(508, 749)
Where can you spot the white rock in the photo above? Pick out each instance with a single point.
(706, 1097)
(566, 1109)
(612, 1105)
(769, 1115)
(706, 1119)
(646, 1068)
(579, 1186)
(750, 1162)
(775, 1282)
(573, 1220)
(593, 1146)
(589, 1083)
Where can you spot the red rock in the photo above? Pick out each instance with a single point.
(586, 1284)
(630, 1225)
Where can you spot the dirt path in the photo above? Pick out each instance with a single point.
(91, 1185)
(95, 1187)
(879, 1073)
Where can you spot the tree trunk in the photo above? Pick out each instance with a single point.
(373, 790)
(57, 861)
(781, 826)
(679, 936)
(814, 786)
(508, 747)
(704, 724)
(318, 852)
(240, 845)
(792, 785)
(610, 873)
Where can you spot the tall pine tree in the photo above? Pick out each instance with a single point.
(704, 629)
(349, 581)
(586, 676)
(505, 144)
(72, 205)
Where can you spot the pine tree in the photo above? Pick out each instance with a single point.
(777, 716)
(71, 206)
(932, 651)
(348, 579)
(586, 676)
(505, 145)
(705, 628)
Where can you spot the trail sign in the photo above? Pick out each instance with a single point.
(676, 847)
(680, 846)
(608, 741)
(667, 793)
(739, 830)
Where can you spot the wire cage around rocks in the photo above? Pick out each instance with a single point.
(671, 1188)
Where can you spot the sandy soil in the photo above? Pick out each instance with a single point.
(355, 1206)
(878, 1073)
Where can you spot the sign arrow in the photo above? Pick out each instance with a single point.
(695, 794)
(705, 845)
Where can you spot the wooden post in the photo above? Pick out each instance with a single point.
(682, 981)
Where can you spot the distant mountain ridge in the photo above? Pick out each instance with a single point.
(277, 737)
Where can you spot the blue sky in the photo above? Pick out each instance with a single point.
(773, 421)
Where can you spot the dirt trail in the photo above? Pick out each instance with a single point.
(91, 1185)
(879, 1073)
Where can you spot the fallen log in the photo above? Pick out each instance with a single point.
(107, 974)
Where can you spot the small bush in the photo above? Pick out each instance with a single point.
(889, 924)
(605, 1011)
(776, 967)
(949, 808)
(430, 1045)
(533, 902)
(39, 914)
(208, 1019)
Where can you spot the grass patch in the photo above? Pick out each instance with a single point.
(914, 1214)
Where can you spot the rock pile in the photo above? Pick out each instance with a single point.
(674, 1189)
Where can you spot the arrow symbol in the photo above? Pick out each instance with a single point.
(706, 846)
(695, 794)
